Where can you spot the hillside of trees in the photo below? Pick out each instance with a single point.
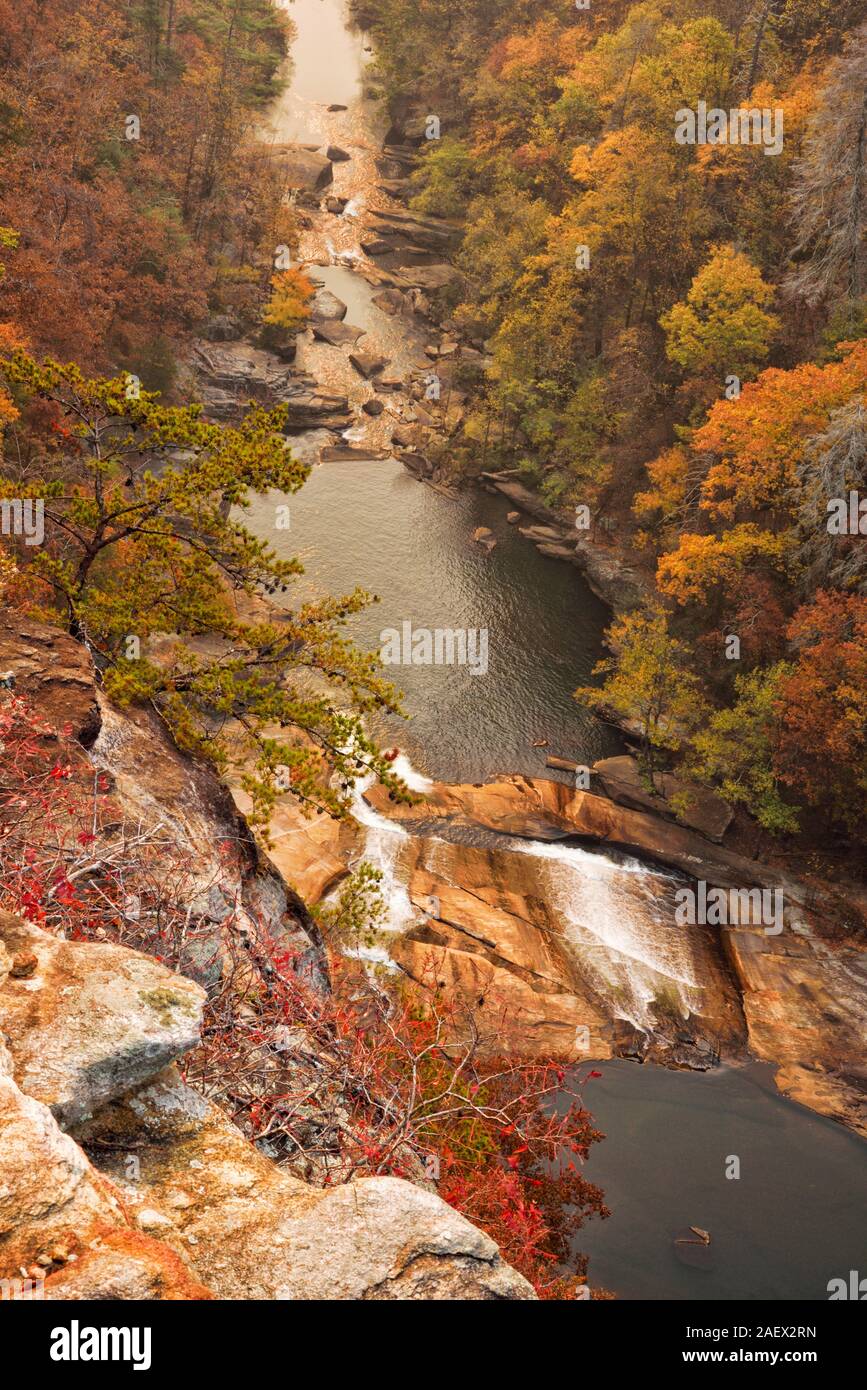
(678, 341)
(131, 200)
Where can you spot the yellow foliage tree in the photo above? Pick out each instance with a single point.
(289, 306)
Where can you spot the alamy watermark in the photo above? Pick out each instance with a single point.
(23, 516)
(855, 1289)
(77, 1343)
(740, 126)
(847, 516)
(27, 1289)
(441, 646)
(733, 907)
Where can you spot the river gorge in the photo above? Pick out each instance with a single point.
(587, 932)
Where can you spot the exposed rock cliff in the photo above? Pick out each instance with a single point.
(161, 1196)
(118, 1180)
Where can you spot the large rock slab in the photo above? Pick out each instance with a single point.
(697, 807)
(252, 1231)
(303, 168)
(327, 306)
(47, 1186)
(86, 1022)
(335, 333)
(430, 277)
(53, 671)
(369, 364)
(806, 1009)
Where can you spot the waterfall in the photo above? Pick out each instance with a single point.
(382, 847)
(617, 918)
(618, 922)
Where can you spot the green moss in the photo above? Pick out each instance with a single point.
(164, 1000)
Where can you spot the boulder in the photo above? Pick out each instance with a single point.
(89, 1022)
(48, 1189)
(408, 436)
(513, 518)
(337, 155)
(335, 333)
(368, 363)
(303, 168)
(373, 407)
(326, 305)
(310, 409)
(335, 205)
(125, 1266)
(252, 1231)
(389, 301)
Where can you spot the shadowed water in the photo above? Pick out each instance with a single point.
(792, 1221)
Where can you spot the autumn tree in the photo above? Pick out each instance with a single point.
(722, 328)
(144, 538)
(737, 750)
(822, 709)
(288, 309)
(759, 439)
(703, 566)
(649, 680)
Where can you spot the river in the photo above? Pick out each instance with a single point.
(790, 1221)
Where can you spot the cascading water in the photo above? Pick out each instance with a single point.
(617, 918)
(382, 846)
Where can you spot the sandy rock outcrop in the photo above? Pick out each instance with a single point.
(155, 1194)
(88, 1022)
(805, 1002)
(252, 1231)
(48, 1189)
